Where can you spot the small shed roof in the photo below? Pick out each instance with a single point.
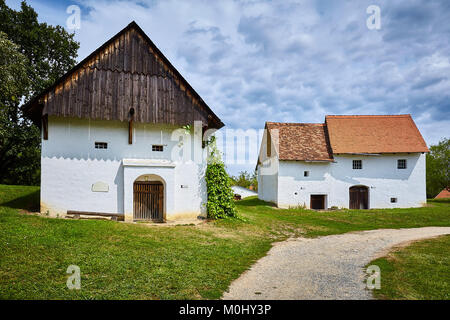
(444, 194)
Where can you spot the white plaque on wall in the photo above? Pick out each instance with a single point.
(100, 187)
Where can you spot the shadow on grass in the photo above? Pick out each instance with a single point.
(442, 200)
(253, 202)
(29, 202)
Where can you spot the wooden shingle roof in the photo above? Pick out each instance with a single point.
(127, 72)
(301, 141)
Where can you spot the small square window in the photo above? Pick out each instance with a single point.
(357, 164)
(101, 145)
(306, 173)
(401, 164)
(393, 200)
(157, 148)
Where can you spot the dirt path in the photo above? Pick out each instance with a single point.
(329, 267)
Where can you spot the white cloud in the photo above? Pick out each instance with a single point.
(257, 61)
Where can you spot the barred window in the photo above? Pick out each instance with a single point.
(357, 164)
(306, 173)
(101, 145)
(158, 148)
(401, 164)
(393, 200)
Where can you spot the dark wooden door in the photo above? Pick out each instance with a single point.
(359, 197)
(148, 200)
(317, 202)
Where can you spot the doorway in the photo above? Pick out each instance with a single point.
(148, 201)
(317, 202)
(359, 197)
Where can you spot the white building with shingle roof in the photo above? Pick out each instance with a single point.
(357, 162)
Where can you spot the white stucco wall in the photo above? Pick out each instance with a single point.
(71, 164)
(379, 173)
(268, 182)
(267, 173)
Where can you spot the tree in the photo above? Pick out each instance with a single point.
(51, 51)
(245, 180)
(438, 168)
(18, 162)
(220, 195)
(13, 72)
(42, 53)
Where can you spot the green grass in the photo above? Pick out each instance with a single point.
(419, 271)
(134, 261)
(308, 223)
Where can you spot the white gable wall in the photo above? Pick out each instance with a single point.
(268, 183)
(379, 173)
(70, 165)
(267, 173)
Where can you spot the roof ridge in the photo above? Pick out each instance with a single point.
(296, 123)
(369, 115)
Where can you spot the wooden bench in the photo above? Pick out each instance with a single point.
(78, 214)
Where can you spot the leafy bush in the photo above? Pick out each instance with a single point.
(220, 195)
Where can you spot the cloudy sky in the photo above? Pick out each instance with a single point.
(292, 61)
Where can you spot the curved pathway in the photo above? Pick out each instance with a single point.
(330, 267)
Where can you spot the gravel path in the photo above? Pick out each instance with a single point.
(329, 267)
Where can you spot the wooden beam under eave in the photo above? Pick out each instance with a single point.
(45, 126)
(130, 131)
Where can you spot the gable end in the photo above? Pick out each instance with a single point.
(127, 72)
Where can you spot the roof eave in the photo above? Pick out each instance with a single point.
(379, 153)
(308, 160)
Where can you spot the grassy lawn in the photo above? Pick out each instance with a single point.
(134, 261)
(418, 271)
(308, 223)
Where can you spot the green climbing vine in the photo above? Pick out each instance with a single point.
(220, 203)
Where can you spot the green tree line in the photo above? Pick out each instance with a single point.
(246, 180)
(438, 168)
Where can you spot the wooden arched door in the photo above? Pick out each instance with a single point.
(148, 201)
(359, 197)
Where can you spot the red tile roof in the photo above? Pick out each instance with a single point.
(301, 141)
(346, 135)
(443, 194)
(374, 134)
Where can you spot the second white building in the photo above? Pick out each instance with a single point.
(356, 162)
